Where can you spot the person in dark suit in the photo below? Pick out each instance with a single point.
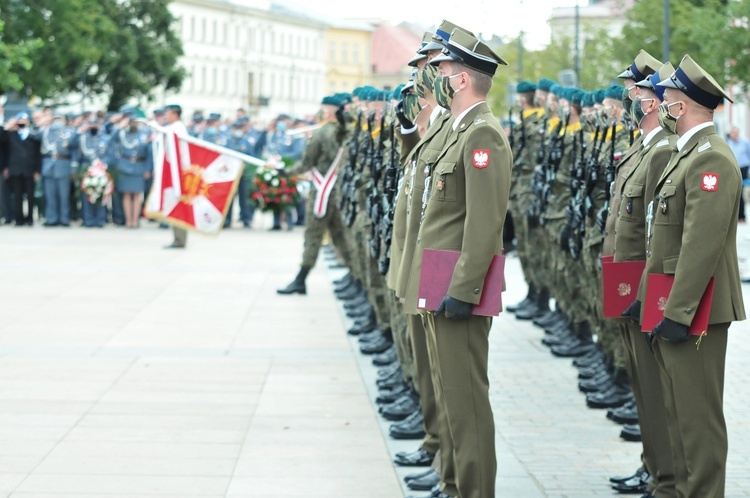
(22, 164)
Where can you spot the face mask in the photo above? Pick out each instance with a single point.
(444, 92)
(429, 73)
(281, 126)
(627, 102)
(237, 133)
(411, 106)
(419, 84)
(93, 131)
(133, 128)
(22, 125)
(666, 120)
(637, 110)
(57, 125)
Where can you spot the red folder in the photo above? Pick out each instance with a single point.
(620, 281)
(658, 288)
(437, 272)
(607, 259)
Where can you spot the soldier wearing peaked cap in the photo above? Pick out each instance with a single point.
(692, 235)
(406, 229)
(468, 187)
(629, 231)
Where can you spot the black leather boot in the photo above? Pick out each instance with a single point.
(298, 284)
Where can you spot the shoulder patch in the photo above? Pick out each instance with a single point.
(705, 146)
(479, 120)
(710, 182)
(480, 158)
(662, 143)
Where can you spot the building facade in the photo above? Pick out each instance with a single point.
(348, 56)
(242, 54)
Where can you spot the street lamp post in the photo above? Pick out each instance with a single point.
(666, 34)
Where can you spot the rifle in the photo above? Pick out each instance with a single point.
(362, 161)
(575, 211)
(601, 216)
(556, 153)
(348, 174)
(374, 206)
(537, 180)
(388, 201)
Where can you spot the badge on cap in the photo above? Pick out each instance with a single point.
(481, 158)
(710, 182)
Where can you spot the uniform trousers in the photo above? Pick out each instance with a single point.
(693, 385)
(645, 380)
(93, 215)
(424, 382)
(22, 185)
(57, 200)
(315, 229)
(461, 355)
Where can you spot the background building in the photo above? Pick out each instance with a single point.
(392, 48)
(348, 55)
(252, 55)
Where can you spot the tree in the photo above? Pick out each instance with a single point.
(14, 58)
(121, 48)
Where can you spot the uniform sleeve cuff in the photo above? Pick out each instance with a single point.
(411, 130)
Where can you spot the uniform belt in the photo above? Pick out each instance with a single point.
(60, 156)
(137, 159)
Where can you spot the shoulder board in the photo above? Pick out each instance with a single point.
(662, 143)
(705, 146)
(479, 120)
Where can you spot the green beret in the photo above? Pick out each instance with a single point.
(599, 96)
(614, 92)
(525, 87)
(396, 95)
(545, 84)
(345, 98)
(556, 90)
(588, 100)
(330, 100)
(577, 96)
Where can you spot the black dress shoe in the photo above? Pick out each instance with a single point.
(631, 432)
(641, 474)
(386, 358)
(424, 483)
(434, 494)
(418, 458)
(611, 398)
(296, 287)
(412, 427)
(418, 475)
(574, 350)
(634, 485)
(401, 408)
(391, 394)
(375, 347)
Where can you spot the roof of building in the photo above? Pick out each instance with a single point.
(296, 10)
(392, 48)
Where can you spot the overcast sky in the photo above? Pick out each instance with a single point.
(501, 17)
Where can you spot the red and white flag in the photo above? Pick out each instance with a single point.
(194, 182)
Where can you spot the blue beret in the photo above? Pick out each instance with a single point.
(545, 84)
(525, 87)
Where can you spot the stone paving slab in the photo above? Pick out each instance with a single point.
(117, 380)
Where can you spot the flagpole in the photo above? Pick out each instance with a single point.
(214, 147)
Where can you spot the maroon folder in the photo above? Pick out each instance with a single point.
(620, 282)
(437, 272)
(658, 288)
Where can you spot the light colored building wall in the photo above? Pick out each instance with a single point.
(348, 59)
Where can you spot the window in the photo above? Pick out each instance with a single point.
(332, 88)
(332, 52)
(272, 90)
(225, 82)
(192, 29)
(203, 29)
(203, 78)
(282, 45)
(250, 39)
(290, 46)
(299, 46)
(355, 53)
(215, 32)
(345, 53)
(250, 87)
(272, 47)
(214, 80)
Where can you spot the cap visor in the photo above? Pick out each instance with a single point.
(413, 62)
(433, 45)
(626, 74)
(442, 58)
(668, 83)
(645, 84)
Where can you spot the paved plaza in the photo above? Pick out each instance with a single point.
(129, 370)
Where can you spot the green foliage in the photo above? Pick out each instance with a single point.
(14, 58)
(121, 48)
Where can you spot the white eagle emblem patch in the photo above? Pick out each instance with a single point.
(481, 158)
(624, 289)
(710, 182)
(661, 305)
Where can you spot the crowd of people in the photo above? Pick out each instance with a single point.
(48, 161)
(634, 174)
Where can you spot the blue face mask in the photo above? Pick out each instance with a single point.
(281, 126)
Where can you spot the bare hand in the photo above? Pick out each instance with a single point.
(147, 175)
(37, 176)
(6, 174)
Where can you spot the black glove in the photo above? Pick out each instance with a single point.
(408, 125)
(454, 309)
(633, 312)
(601, 219)
(671, 331)
(650, 340)
(340, 115)
(565, 238)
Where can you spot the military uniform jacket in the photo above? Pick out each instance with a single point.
(408, 211)
(320, 153)
(561, 192)
(696, 201)
(524, 158)
(58, 147)
(626, 163)
(90, 147)
(130, 153)
(629, 230)
(468, 200)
